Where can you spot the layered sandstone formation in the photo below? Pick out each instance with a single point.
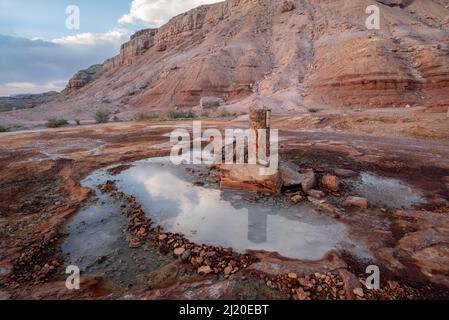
(295, 53)
(138, 44)
(83, 77)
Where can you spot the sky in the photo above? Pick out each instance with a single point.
(40, 52)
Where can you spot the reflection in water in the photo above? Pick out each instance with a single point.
(257, 223)
(387, 192)
(203, 216)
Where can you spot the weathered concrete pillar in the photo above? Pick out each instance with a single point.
(260, 118)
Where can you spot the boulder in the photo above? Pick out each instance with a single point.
(248, 177)
(291, 176)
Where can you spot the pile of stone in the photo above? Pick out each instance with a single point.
(318, 286)
(138, 225)
(34, 265)
(203, 259)
(108, 187)
(118, 169)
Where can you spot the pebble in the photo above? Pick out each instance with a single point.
(179, 251)
(358, 292)
(204, 270)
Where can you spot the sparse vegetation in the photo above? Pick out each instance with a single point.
(3, 129)
(205, 114)
(179, 114)
(146, 116)
(116, 119)
(102, 116)
(56, 123)
(78, 122)
(312, 110)
(224, 113)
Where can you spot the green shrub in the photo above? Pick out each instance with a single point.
(78, 122)
(224, 113)
(56, 123)
(146, 116)
(3, 129)
(116, 119)
(179, 114)
(102, 116)
(313, 110)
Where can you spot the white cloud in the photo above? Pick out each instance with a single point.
(31, 66)
(30, 87)
(158, 12)
(114, 37)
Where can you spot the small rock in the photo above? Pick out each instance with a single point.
(308, 180)
(292, 275)
(204, 270)
(179, 251)
(358, 292)
(305, 283)
(302, 295)
(162, 237)
(316, 193)
(296, 199)
(330, 182)
(291, 176)
(356, 202)
(228, 270)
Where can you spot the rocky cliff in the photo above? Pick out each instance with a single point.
(24, 101)
(83, 77)
(289, 53)
(139, 43)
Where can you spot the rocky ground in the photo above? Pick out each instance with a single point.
(40, 190)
